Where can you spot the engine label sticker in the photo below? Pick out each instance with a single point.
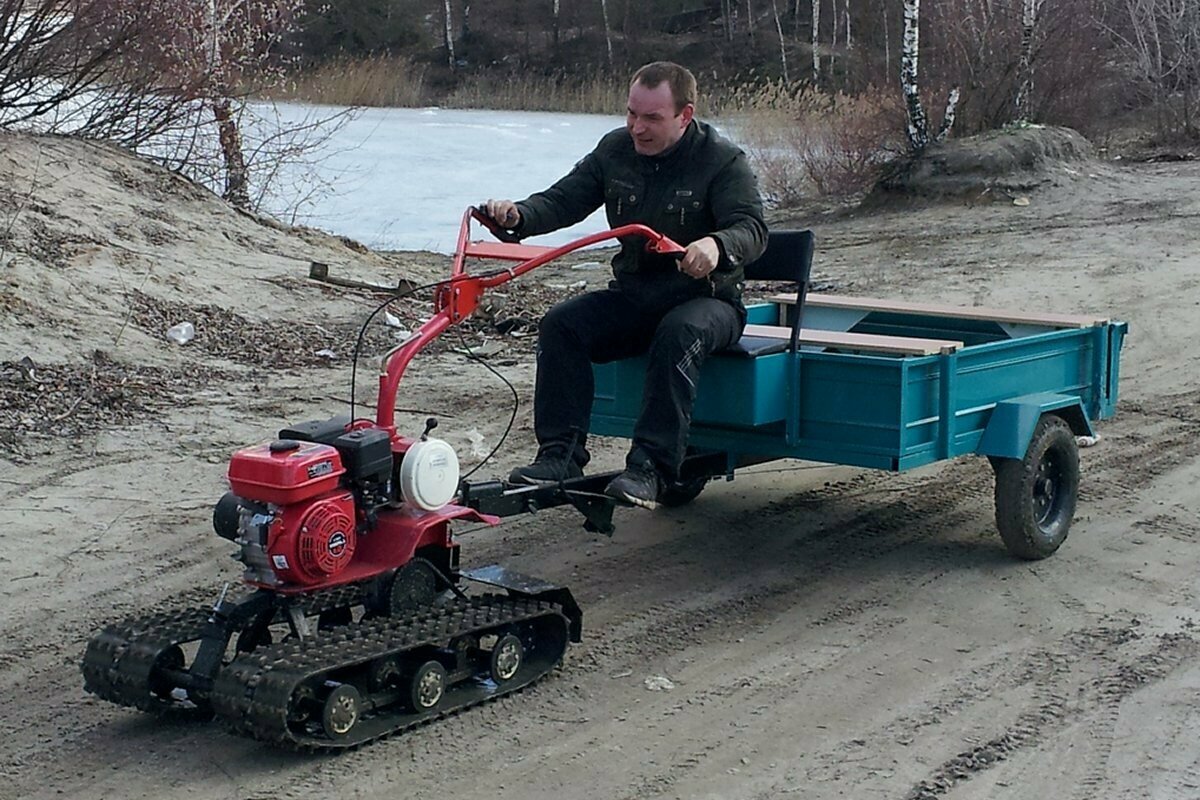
(337, 544)
(280, 562)
(319, 469)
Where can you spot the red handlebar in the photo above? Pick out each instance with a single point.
(458, 296)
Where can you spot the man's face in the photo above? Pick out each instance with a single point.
(651, 118)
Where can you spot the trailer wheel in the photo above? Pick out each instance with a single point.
(680, 494)
(1036, 495)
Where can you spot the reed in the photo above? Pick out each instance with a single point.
(381, 81)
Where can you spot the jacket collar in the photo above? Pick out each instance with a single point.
(682, 146)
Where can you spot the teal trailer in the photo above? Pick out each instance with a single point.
(894, 386)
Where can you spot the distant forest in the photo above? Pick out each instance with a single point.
(1092, 60)
(825, 91)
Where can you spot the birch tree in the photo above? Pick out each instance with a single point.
(816, 53)
(448, 36)
(607, 33)
(918, 124)
(1029, 15)
(782, 44)
(887, 42)
(833, 37)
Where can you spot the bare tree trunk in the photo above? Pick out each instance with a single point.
(607, 33)
(833, 38)
(849, 39)
(816, 54)
(466, 22)
(556, 4)
(449, 30)
(237, 182)
(750, 21)
(918, 126)
(887, 43)
(782, 44)
(727, 18)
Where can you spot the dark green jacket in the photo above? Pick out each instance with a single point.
(700, 187)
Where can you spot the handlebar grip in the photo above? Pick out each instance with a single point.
(495, 228)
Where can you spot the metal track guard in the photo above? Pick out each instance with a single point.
(519, 585)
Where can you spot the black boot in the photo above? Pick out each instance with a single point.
(640, 484)
(547, 469)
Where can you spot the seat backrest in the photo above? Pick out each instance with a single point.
(788, 257)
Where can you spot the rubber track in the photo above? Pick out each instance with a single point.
(119, 660)
(254, 693)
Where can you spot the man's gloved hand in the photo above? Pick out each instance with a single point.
(701, 258)
(504, 212)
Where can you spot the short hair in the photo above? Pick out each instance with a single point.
(680, 79)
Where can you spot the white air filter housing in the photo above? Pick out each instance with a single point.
(429, 474)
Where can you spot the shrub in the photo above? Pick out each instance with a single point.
(802, 140)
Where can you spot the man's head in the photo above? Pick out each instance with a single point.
(662, 100)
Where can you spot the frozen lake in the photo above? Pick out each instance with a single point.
(402, 177)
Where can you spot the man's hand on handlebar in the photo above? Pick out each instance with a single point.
(700, 258)
(503, 212)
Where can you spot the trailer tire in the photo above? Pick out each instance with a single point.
(1036, 495)
(680, 494)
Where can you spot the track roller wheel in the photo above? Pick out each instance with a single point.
(427, 686)
(383, 674)
(169, 659)
(342, 710)
(303, 706)
(506, 660)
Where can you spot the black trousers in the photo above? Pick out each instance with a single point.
(607, 325)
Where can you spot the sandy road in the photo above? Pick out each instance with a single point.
(827, 632)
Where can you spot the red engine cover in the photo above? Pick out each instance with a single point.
(284, 472)
(313, 542)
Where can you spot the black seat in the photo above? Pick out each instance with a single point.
(788, 257)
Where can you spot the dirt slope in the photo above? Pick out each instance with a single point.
(826, 632)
